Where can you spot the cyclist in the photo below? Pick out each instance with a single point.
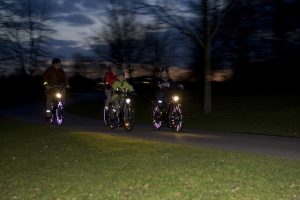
(54, 76)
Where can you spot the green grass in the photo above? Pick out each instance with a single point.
(43, 162)
(273, 115)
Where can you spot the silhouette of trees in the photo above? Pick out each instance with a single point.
(5, 14)
(200, 21)
(155, 48)
(119, 38)
(264, 38)
(25, 31)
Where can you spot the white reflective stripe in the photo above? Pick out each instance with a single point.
(45, 83)
(48, 111)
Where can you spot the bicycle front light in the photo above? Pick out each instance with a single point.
(175, 98)
(128, 101)
(58, 95)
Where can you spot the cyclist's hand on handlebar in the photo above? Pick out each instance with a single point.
(117, 91)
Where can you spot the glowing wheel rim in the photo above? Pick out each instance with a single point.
(59, 114)
(156, 121)
(176, 118)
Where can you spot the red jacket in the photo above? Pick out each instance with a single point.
(110, 78)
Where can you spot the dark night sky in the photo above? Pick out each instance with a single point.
(74, 21)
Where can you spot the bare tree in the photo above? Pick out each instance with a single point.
(199, 20)
(119, 38)
(157, 45)
(263, 37)
(5, 15)
(155, 50)
(27, 32)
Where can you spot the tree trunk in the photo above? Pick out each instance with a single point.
(207, 78)
(207, 60)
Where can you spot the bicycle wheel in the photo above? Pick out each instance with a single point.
(157, 122)
(106, 116)
(176, 118)
(59, 114)
(112, 119)
(128, 118)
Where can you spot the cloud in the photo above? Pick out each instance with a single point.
(68, 52)
(67, 48)
(63, 42)
(71, 6)
(96, 4)
(75, 19)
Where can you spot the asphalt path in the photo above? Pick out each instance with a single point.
(275, 146)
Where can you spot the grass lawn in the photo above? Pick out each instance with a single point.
(44, 162)
(260, 114)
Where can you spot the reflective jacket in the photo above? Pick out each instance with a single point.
(121, 85)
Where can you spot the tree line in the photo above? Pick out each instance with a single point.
(259, 40)
(254, 38)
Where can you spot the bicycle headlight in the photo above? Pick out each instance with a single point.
(175, 98)
(58, 95)
(128, 101)
(159, 101)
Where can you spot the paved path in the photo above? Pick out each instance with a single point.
(283, 147)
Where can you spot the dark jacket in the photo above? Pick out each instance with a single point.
(55, 77)
(165, 84)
